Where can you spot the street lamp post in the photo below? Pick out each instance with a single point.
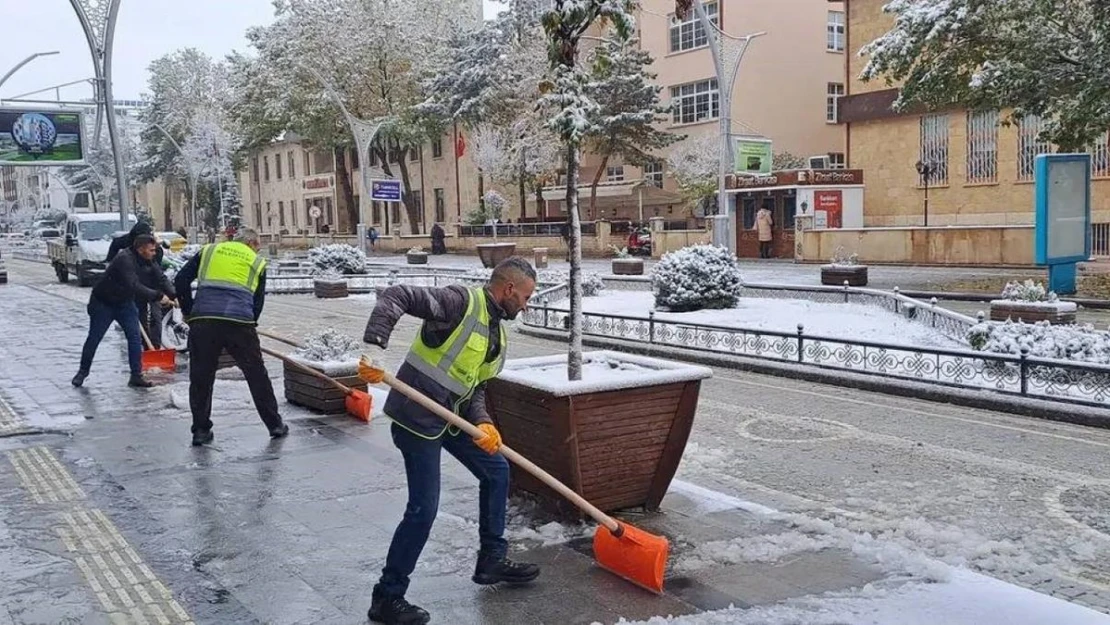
(926, 170)
(24, 62)
(98, 21)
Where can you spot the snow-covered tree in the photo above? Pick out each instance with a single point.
(568, 95)
(372, 53)
(212, 149)
(786, 160)
(337, 258)
(696, 277)
(1033, 57)
(693, 164)
(629, 108)
(97, 176)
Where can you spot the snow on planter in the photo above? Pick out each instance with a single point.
(696, 277)
(1031, 302)
(1043, 340)
(333, 354)
(337, 257)
(330, 351)
(615, 437)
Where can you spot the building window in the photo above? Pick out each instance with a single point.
(375, 212)
(982, 147)
(933, 149)
(614, 173)
(833, 92)
(292, 171)
(748, 211)
(835, 37)
(277, 165)
(418, 205)
(281, 213)
(1029, 146)
(836, 160)
(653, 173)
(440, 205)
(257, 215)
(1100, 157)
(266, 168)
(696, 102)
(437, 147)
(354, 159)
(689, 34)
(307, 164)
(396, 216)
(254, 169)
(414, 154)
(293, 205)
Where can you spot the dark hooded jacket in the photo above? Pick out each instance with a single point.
(127, 241)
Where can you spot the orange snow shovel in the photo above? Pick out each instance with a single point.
(359, 405)
(631, 553)
(164, 359)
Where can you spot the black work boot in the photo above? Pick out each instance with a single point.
(202, 438)
(79, 379)
(495, 570)
(280, 431)
(393, 610)
(138, 381)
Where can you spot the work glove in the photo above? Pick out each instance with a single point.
(491, 442)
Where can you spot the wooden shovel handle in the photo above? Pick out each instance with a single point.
(146, 339)
(511, 454)
(280, 339)
(309, 370)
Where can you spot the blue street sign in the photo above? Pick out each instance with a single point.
(385, 190)
(1063, 210)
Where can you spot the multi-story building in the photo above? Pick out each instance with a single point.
(983, 169)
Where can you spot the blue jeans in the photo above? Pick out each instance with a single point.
(101, 316)
(422, 470)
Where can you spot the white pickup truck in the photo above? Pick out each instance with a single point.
(84, 245)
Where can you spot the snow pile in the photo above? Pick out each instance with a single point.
(1043, 340)
(601, 371)
(172, 263)
(1027, 291)
(330, 351)
(339, 257)
(526, 521)
(696, 277)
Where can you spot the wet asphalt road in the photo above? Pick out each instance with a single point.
(293, 532)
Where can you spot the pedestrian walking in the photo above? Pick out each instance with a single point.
(460, 346)
(373, 234)
(439, 237)
(113, 300)
(231, 291)
(763, 224)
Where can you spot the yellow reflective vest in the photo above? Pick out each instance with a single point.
(228, 277)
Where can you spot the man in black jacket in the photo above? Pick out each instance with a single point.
(113, 299)
(151, 275)
(460, 345)
(127, 241)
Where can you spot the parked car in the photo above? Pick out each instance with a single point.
(47, 233)
(172, 241)
(87, 239)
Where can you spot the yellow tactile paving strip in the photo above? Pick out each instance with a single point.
(10, 423)
(128, 591)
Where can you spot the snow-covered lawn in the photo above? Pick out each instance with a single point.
(845, 321)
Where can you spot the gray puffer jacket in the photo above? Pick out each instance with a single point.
(442, 310)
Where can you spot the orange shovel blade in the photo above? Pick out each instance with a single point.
(636, 555)
(164, 359)
(359, 405)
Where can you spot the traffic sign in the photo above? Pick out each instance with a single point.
(385, 190)
(314, 212)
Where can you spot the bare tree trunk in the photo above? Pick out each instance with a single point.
(346, 188)
(523, 192)
(167, 212)
(574, 356)
(407, 195)
(593, 187)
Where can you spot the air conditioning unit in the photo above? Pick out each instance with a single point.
(819, 162)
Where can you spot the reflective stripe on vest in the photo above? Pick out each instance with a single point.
(231, 265)
(447, 365)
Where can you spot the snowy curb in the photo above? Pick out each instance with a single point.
(1057, 307)
(982, 399)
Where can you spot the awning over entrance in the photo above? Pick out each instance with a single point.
(632, 199)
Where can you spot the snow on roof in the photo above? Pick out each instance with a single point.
(601, 371)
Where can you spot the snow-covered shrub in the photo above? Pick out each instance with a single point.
(842, 258)
(1028, 291)
(620, 252)
(696, 277)
(328, 346)
(495, 205)
(1043, 340)
(346, 259)
(416, 250)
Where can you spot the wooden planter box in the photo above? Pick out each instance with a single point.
(302, 389)
(1056, 313)
(329, 289)
(617, 443)
(837, 275)
(493, 253)
(3, 273)
(416, 259)
(628, 267)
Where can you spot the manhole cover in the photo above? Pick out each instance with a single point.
(1090, 505)
(792, 429)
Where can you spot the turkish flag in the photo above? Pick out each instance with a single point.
(460, 146)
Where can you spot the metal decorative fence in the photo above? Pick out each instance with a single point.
(1078, 383)
(543, 229)
(366, 283)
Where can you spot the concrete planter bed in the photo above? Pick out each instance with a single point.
(417, 258)
(493, 253)
(616, 437)
(1056, 313)
(329, 289)
(317, 395)
(837, 275)
(628, 267)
